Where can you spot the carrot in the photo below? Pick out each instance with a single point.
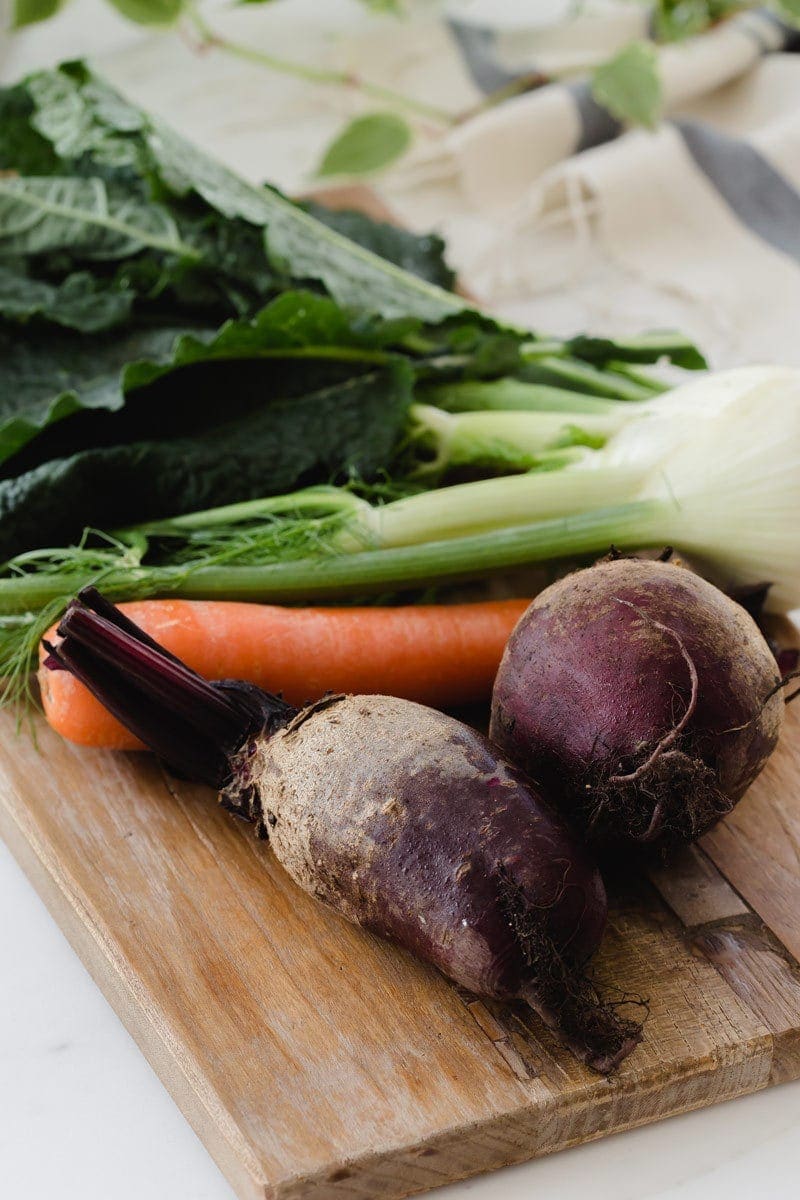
(441, 655)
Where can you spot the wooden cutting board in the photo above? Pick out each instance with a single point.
(316, 1061)
(319, 1063)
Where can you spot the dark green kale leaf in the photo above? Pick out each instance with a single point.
(45, 380)
(67, 392)
(86, 191)
(79, 301)
(96, 133)
(22, 148)
(347, 427)
(421, 254)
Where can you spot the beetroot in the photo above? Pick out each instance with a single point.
(642, 697)
(403, 819)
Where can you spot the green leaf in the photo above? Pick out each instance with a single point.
(298, 244)
(299, 325)
(366, 145)
(178, 252)
(394, 7)
(150, 12)
(677, 20)
(421, 254)
(87, 122)
(22, 147)
(79, 302)
(28, 12)
(673, 22)
(299, 343)
(788, 9)
(46, 379)
(82, 216)
(629, 85)
(80, 115)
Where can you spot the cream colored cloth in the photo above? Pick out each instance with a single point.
(559, 218)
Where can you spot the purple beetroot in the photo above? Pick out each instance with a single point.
(642, 698)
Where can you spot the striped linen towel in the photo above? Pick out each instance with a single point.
(559, 217)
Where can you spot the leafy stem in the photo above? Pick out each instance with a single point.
(527, 82)
(210, 39)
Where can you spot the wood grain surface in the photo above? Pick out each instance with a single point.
(316, 1061)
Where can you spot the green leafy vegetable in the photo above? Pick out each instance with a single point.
(366, 145)
(421, 254)
(247, 412)
(42, 381)
(346, 427)
(77, 302)
(92, 240)
(81, 116)
(298, 244)
(22, 148)
(629, 85)
(85, 217)
(95, 132)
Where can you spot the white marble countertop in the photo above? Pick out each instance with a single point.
(83, 1117)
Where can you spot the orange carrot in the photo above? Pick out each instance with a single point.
(442, 655)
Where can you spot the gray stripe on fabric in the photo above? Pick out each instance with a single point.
(476, 43)
(596, 123)
(762, 26)
(760, 196)
(772, 18)
(790, 34)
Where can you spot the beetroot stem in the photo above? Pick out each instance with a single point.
(194, 725)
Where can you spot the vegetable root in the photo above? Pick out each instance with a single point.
(400, 817)
(442, 655)
(641, 696)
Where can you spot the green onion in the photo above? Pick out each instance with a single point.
(511, 394)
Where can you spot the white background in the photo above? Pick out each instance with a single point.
(82, 1116)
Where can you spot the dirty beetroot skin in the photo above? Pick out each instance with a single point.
(634, 692)
(403, 819)
(409, 824)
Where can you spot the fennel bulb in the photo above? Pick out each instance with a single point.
(724, 455)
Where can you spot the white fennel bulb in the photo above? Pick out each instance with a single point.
(724, 463)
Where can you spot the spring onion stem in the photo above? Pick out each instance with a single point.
(469, 508)
(402, 567)
(582, 376)
(509, 394)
